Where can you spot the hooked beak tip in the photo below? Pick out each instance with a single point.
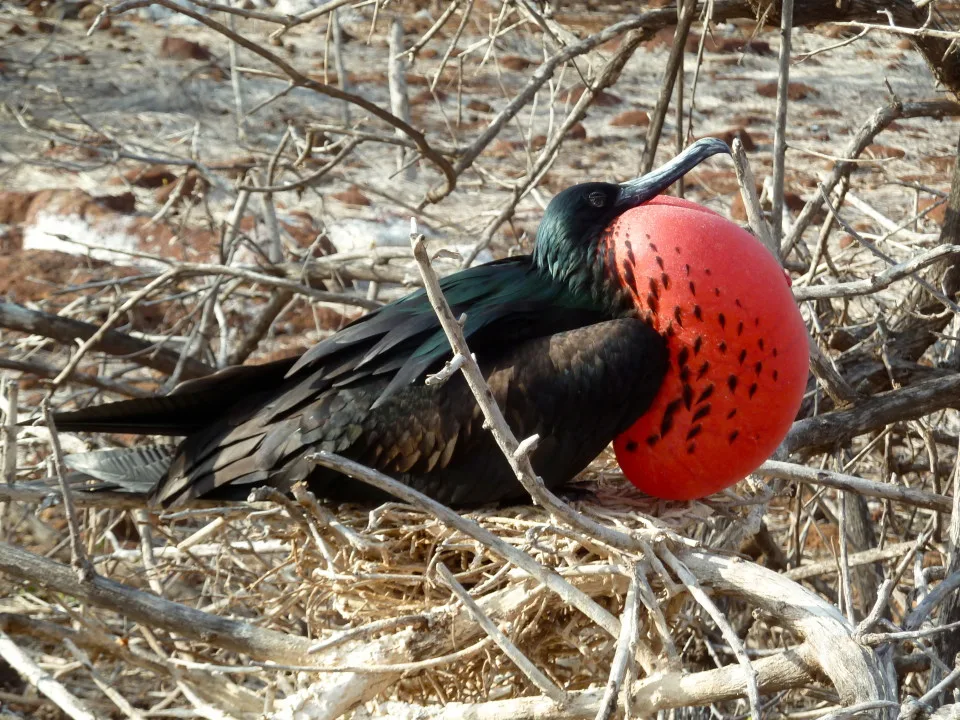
(636, 192)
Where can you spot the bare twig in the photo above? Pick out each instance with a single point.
(9, 395)
(153, 611)
(780, 129)
(748, 191)
(877, 122)
(43, 681)
(67, 330)
(301, 80)
(629, 630)
(849, 483)
(837, 427)
(519, 460)
(533, 673)
(78, 558)
(687, 13)
(693, 587)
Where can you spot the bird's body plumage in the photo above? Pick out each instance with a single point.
(558, 363)
(556, 333)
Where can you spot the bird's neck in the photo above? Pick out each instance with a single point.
(587, 272)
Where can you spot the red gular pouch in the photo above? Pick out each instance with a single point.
(737, 342)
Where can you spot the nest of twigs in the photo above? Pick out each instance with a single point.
(355, 580)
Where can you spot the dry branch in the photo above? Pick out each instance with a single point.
(153, 611)
(43, 681)
(67, 330)
(850, 483)
(838, 427)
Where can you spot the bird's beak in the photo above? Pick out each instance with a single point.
(636, 192)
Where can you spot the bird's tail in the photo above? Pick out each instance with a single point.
(130, 470)
(190, 407)
(123, 476)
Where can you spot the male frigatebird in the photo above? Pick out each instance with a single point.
(567, 349)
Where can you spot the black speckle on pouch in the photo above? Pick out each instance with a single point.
(707, 392)
(668, 412)
(628, 276)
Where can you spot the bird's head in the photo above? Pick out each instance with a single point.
(574, 222)
(736, 340)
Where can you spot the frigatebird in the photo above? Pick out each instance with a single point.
(559, 335)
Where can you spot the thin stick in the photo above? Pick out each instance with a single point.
(846, 591)
(11, 389)
(866, 557)
(878, 281)
(342, 80)
(878, 121)
(399, 98)
(78, 558)
(780, 130)
(693, 587)
(687, 13)
(629, 632)
(67, 330)
(111, 320)
(880, 254)
(850, 483)
(748, 191)
(105, 687)
(302, 80)
(153, 611)
(236, 84)
(42, 680)
(533, 673)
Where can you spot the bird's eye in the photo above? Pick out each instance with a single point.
(597, 199)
